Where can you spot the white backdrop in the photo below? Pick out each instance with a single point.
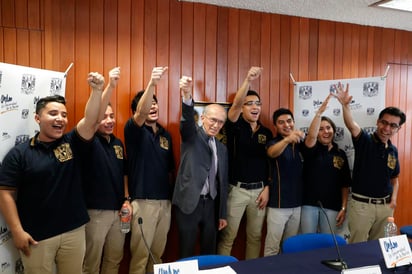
(368, 100)
(20, 89)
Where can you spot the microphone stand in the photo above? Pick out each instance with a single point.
(339, 263)
(140, 222)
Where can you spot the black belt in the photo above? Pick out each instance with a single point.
(205, 197)
(250, 186)
(375, 201)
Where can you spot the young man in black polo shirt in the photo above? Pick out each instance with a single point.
(249, 169)
(285, 197)
(150, 164)
(375, 171)
(105, 189)
(48, 215)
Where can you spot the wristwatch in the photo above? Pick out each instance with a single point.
(128, 198)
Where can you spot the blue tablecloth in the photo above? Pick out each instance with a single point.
(355, 255)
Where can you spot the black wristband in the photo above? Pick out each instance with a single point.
(128, 198)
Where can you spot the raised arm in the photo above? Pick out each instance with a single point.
(114, 76)
(187, 121)
(185, 85)
(145, 103)
(313, 131)
(344, 98)
(86, 127)
(236, 108)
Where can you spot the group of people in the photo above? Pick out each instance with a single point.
(61, 193)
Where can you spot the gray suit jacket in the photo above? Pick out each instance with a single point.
(195, 162)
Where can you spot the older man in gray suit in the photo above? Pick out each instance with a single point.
(200, 193)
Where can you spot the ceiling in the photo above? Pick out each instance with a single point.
(349, 11)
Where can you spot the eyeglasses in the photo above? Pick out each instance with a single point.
(393, 126)
(249, 103)
(215, 121)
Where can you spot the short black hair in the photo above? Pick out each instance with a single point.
(394, 111)
(136, 100)
(252, 93)
(281, 111)
(49, 99)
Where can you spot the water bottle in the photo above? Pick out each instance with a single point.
(390, 228)
(125, 218)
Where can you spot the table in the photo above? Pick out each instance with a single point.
(355, 255)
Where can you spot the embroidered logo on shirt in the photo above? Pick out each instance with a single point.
(164, 143)
(338, 162)
(391, 161)
(119, 152)
(63, 152)
(262, 139)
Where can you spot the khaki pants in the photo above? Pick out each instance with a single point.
(156, 217)
(66, 249)
(239, 201)
(103, 236)
(366, 221)
(282, 223)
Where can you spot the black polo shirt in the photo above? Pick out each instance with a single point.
(47, 177)
(374, 166)
(287, 181)
(248, 160)
(326, 172)
(150, 161)
(104, 182)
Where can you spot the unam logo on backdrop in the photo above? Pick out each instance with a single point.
(21, 139)
(28, 83)
(24, 113)
(56, 86)
(336, 111)
(339, 134)
(370, 111)
(305, 92)
(370, 89)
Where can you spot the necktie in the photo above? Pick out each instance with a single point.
(213, 169)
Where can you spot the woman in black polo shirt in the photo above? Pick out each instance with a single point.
(326, 176)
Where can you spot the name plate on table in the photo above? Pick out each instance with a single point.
(184, 267)
(396, 251)
(372, 269)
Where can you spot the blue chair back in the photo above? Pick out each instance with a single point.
(310, 241)
(211, 260)
(407, 229)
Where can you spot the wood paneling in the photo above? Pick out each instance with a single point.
(214, 45)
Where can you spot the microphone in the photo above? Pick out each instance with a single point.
(339, 263)
(140, 222)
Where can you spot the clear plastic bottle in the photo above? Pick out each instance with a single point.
(390, 228)
(125, 218)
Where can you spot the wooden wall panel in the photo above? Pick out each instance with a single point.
(121, 96)
(210, 55)
(36, 49)
(8, 13)
(265, 63)
(222, 54)
(233, 53)
(10, 45)
(214, 45)
(22, 35)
